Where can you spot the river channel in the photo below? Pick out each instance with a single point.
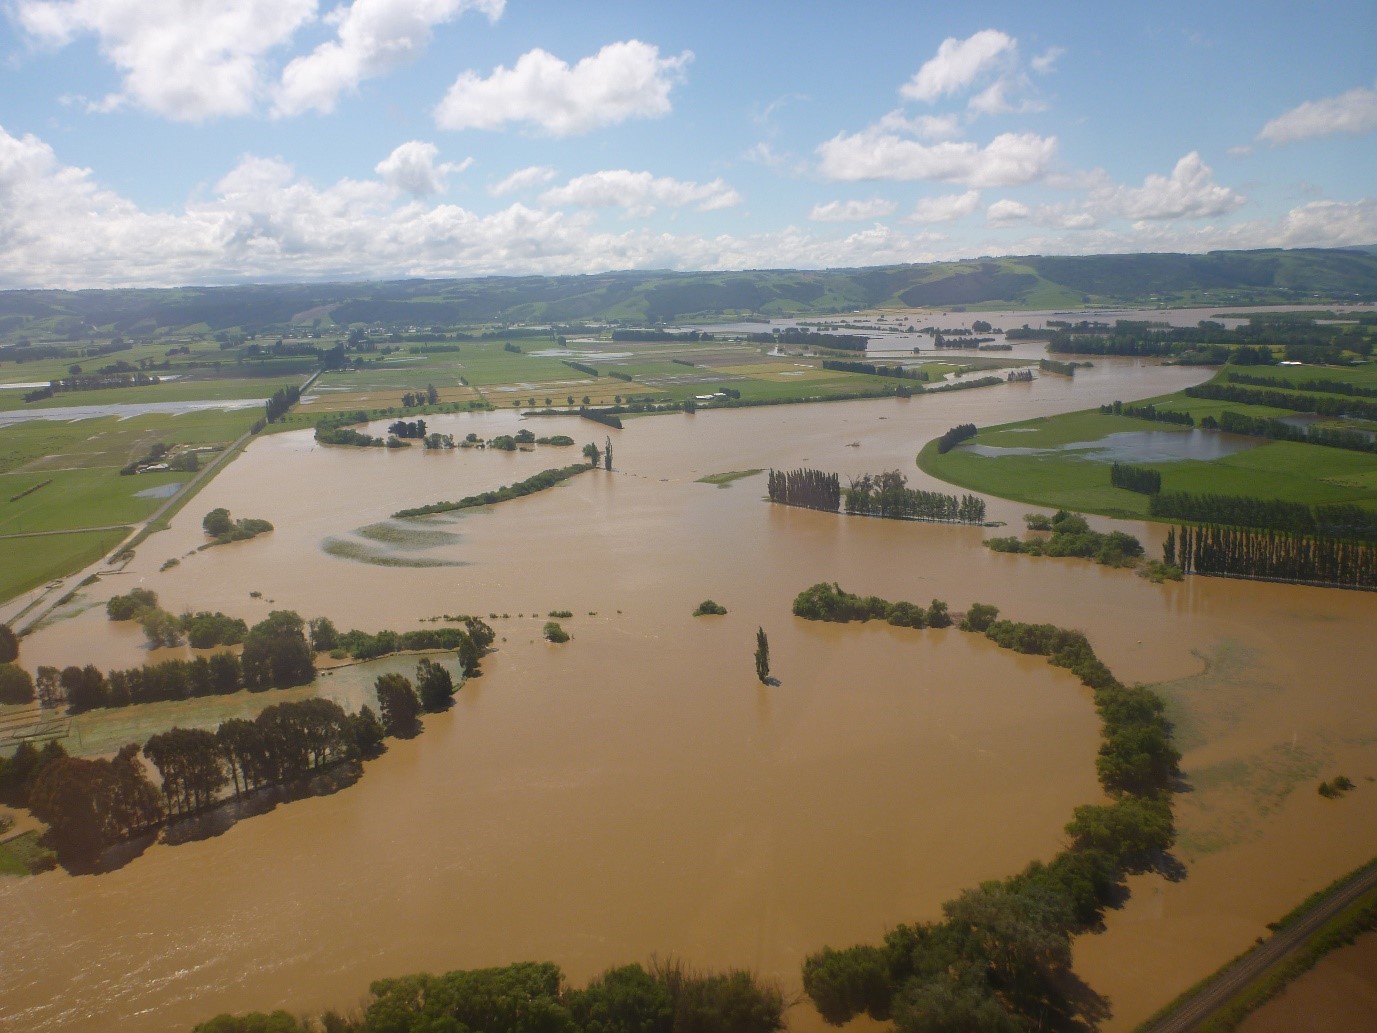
(636, 791)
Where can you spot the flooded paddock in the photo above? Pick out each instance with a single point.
(636, 791)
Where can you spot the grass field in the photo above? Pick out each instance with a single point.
(24, 855)
(31, 561)
(1292, 471)
(79, 498)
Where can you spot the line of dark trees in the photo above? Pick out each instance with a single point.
(1294, 400)
(886, 495)
(1000, 958)
(606, 418)
(898, 372)
(1278, 430)
(661, 335)
(1323, 385)
(1066, 369)
(805, 336)
(1277, 556)
(828, 602)
(1147, 412)
(532, 997)
(582, 367)
(811, 489)
(1142, 479)
(337, 429)
(469, 642)
(408, 429)
(1337, 520)
(954, 436)
(1303, 340)
(282, 400)
(536, 482)
(430, 396)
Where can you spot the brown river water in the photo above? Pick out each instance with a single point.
(636, 791)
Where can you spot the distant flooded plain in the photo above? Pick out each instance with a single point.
(636, 791)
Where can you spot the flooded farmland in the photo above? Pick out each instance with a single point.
(636, 791)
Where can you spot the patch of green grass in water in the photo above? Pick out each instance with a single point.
(723, 480)
(406, 537)
(361, 553)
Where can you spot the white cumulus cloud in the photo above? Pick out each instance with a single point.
(947, 208)
(522, 179)
(1005, 211)
(958, 64)
(1190, 192)
(852, 211)
(639, 193)
(1010, 159)
(373, 37)
(1354, 113)
(411, 169)
(629, 79)
(184, 59)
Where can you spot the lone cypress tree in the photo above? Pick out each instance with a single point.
(607, 455)
(762, 656)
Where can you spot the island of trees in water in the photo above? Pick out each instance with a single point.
(92, 804)
(881, 495)
(1000, 958)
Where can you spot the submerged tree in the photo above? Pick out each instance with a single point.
(607, 455)
(762, 655)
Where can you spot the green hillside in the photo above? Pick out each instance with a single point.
(1219, 278)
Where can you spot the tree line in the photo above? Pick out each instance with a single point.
(1000, 957)
(1148, 412)
(282, 400)
(886, 495)
(90, 804)
(1277, 556)
(1323, 385)
(1279, 430)
(1293, 400)
(828, 602)
(1142, 479)
(899, 372)
(804, 336)
(530, 997)
(954, 436)
(811, 489)
(1336, 520)
(534, 483)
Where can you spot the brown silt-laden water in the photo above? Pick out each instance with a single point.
(637, 791)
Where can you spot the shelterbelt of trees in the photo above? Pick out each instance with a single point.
(92, 804)
(664, 997)
(882, 495)
(1001, 957)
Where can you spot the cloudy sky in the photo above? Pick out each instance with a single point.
(163, 142)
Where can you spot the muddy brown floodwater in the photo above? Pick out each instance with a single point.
(636, 791)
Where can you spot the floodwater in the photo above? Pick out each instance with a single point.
(636, 791)
(1138, 446)
(1339, 995)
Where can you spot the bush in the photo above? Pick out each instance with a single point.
(9, 645)
(16, 685)
(554, 633)
(126, 607)
(709, 608)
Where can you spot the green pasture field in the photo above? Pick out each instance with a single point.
(33, 560)
(189, 390)
(109, 441)
(1293, 471)
(78, 498)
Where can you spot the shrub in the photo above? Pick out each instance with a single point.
(708, 608)
(554, 633)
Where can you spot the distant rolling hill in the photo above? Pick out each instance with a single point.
(1219, 278)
